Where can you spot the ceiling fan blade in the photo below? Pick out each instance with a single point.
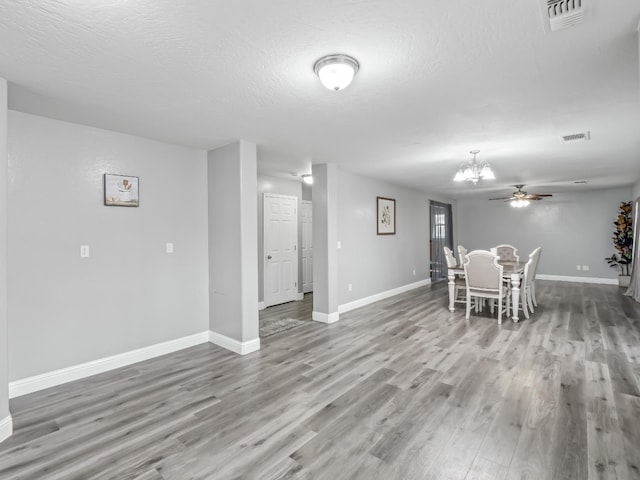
(537, 196)
(502, 198)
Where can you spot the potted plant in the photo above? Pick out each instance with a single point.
(623, 243)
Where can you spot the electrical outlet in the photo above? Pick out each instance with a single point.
(84, 251)
(349, 287)
(578, 267)
(585, 267)
(169, 247)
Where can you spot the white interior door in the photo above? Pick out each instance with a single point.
(280, 249)
(307, 247)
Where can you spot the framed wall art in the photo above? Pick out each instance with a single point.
(386, 216)
(120, 191)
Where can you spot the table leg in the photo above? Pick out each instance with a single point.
(515, 295)
(452, 289)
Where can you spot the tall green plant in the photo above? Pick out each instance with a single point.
(622, 239)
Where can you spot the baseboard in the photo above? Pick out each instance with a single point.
(563, 278)
(236, 346)
(27, 385)
(261, 306)
(6, 427)
(300, 296)
(381, 296)
(325, 317)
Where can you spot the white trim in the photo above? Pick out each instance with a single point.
(261, 306)
(83, 370)
(345, 307)
(236, 346)
(6, 427)
(325, 317)
(300, 296)
(563, 278)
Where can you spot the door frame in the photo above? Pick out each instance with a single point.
(435, 252)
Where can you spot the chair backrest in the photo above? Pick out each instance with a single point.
(507, 253)
(451, 259)
(535, 255)
(462, 254)
(483, 272)
(529, 271)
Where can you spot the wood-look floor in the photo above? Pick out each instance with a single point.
(401, 389)
(301, 310)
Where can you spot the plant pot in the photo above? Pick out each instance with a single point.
(623, 280)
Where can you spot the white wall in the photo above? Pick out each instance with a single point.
(307, 192)
(280, 186)
(376, 263)
(65, 310)
(233, 244)
(4, 366)
(635, 193)
(572, 228)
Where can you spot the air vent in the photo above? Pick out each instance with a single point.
(576, 137)
(564, 13)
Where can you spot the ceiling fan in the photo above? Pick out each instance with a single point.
(520, 198)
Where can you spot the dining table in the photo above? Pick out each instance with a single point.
(511, 271)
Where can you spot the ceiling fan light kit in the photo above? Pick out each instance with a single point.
(520, 203)
(474, 171)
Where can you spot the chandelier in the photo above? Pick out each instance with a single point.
(473, 171)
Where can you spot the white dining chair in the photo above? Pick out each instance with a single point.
(462, 254)
(460, 284)
(536, 259)
(507, 253)
(525, 301)
(483, 276)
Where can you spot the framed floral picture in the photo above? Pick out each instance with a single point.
(120, 190)
(386, 210)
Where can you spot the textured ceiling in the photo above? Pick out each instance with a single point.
(437, 79)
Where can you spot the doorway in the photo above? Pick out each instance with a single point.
(441, 233)
(280, 249)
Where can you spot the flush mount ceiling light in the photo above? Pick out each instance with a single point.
(474, 171)
(336, 71)
(306, 177)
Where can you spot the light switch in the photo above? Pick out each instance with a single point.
(339, 244)
(169, 247)
(84, 251)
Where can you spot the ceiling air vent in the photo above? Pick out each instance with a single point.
(576, 137)
(564, 13)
